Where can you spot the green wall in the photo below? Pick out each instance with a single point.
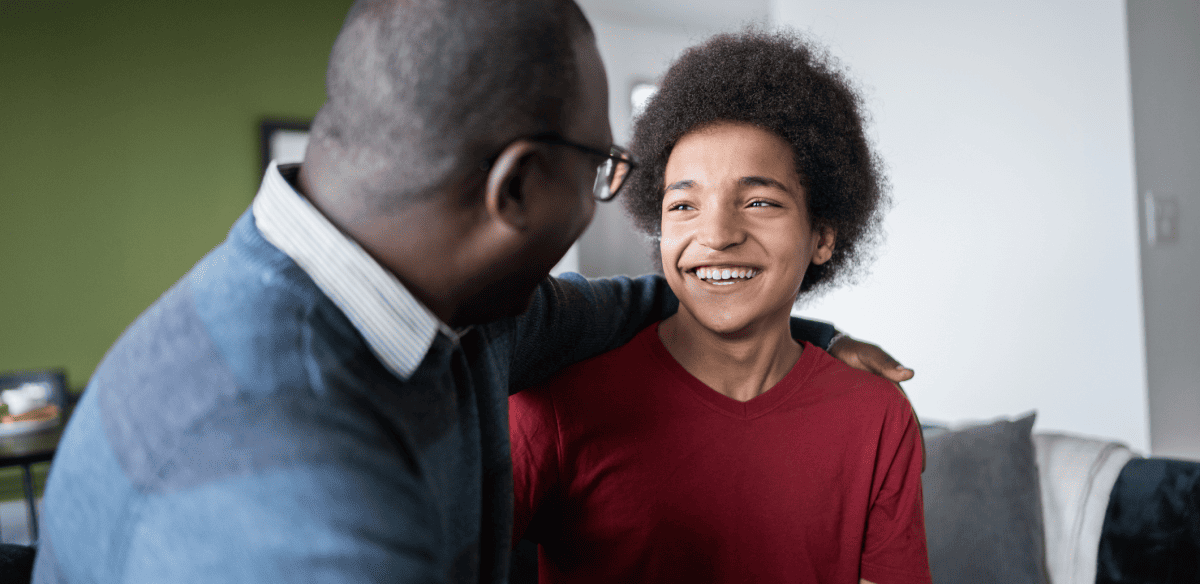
(128, 146)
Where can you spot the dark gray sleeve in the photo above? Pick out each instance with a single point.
(573, 318)
(814, 331)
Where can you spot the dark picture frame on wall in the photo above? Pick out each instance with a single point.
(282, 139)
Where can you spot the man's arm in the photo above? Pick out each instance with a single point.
(573, 318)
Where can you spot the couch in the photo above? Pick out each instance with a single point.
(1007, 505)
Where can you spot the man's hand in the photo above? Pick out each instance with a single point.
(869, 358)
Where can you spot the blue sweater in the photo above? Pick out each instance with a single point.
(241, 430)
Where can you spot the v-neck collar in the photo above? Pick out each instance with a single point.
(753, 408)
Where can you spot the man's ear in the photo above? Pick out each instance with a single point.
(504, 197)
(826, 237)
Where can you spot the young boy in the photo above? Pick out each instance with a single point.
(713, 447)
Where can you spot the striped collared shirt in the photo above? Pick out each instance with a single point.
(397, 327)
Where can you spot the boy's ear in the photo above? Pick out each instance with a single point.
(826, 237)
(503, 196)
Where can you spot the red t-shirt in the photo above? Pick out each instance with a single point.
(628, 469)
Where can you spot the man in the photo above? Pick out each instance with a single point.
(322, 398)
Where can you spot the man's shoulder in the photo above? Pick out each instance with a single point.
(218, 325)
(227, 365)
(229, 390)
(245, 268)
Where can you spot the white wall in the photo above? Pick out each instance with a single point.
(1164, 48)
(1009, 279)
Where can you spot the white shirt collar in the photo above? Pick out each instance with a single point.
(397, 327)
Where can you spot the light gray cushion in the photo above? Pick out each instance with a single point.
(983, 514)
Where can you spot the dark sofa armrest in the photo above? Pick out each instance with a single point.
(1152, 526)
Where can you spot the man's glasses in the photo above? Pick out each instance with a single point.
(610, 175)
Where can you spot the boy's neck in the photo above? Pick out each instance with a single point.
(741, 366)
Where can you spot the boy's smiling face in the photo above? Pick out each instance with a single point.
(736, 237)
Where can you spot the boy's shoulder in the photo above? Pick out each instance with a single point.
(840, 382)
(624, 362)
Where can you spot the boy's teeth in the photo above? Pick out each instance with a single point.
(715, 274)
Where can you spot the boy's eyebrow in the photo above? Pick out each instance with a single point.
(750, 181)
(762, 181)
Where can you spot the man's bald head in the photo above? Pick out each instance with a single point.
(420, 92)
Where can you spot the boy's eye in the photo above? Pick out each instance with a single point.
(680, 207)
(762, 204)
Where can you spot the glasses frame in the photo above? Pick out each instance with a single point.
(615, 156)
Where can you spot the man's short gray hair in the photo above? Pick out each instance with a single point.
(431, 88)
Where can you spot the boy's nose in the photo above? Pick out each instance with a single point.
(720, 229)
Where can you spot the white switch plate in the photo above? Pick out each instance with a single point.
(1162, 219)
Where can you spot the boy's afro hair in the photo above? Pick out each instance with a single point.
(781, 83)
